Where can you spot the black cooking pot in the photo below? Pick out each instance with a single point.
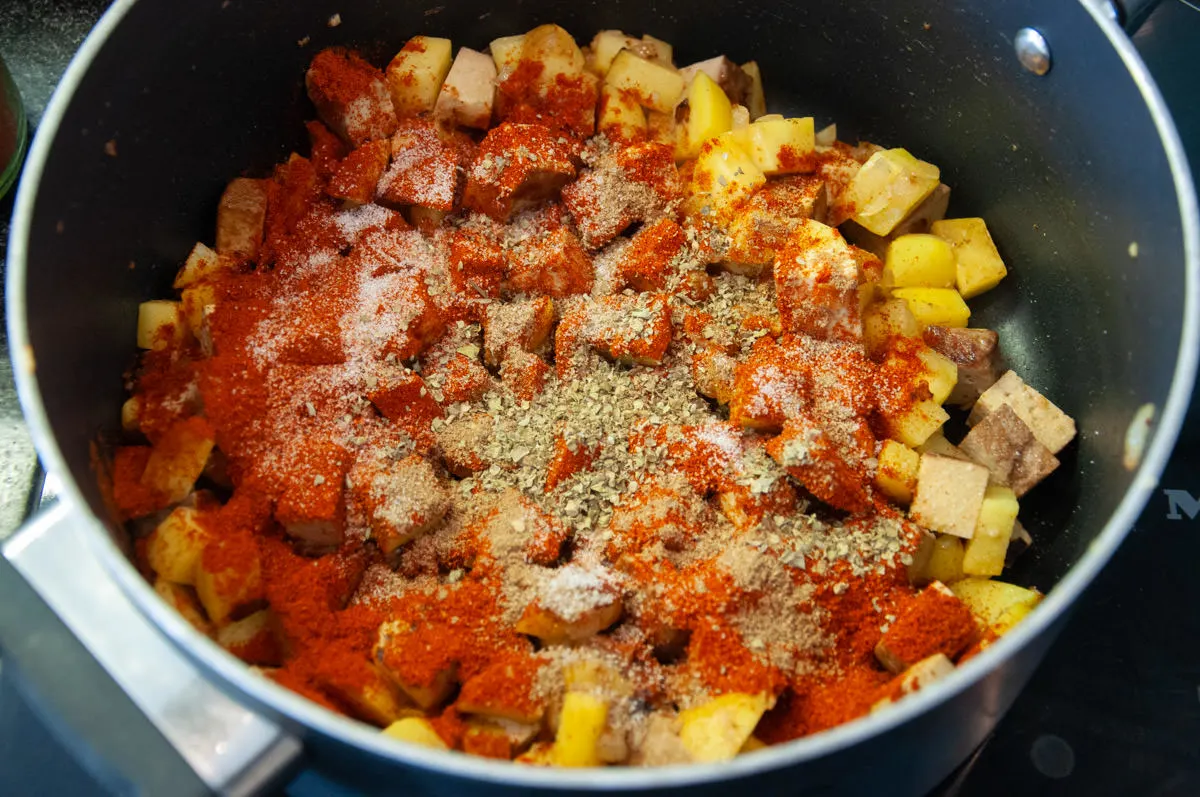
(1078, 172)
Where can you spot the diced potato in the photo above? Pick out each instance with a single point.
(658, 87)
(160, 323)
(131, 411)
(196, 302)
(1052, 427)
(984, 554)
(916, 425)
(183, 600)
(506, 52)
(619, 117)
(174, 547)
(949, 495)
(229, 591)
(781, 146)
(202, 264)
(580, 726)
(373, 699)
(741, 117)
(725, 172)
(717, 730)
(887, 320)
(826, 136)
(978, 267)
(605, 46)
(240, 217)
(896, 475)
(468, 91)
(943, 307)
(709, 113)
(752, 744)
(552, 629)
(254, 639)
(945, 560)
(917, 677)
(938, 444)
(415, 730)
(538, 755)
(178, 459)
(888, 186)
(415, 75)
(940, 374)
(756, 99)
(998, 605)
(555, 50)
(918, 261)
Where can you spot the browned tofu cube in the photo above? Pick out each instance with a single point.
(949, 495)
(766, 392)
(516, 524)
(469, 91)
(976, 352)
(505, 690)
(178, 458)
(461, 378)
(817, 278)
(631, 329)
(351, 96)
(477, 264)
(1052, 427)
(574, 604)
(639, 183)
(402, 500)
(1005, 445)
(524, 374)
(713, 374)
(357, 176)
(461, 443)
(725, 73)
(241, 214)
(651, 257)
(229, 576)
(401, 395)
(934, 621)
(312, 506)
(811, 458)
(763, 223)
(398, 644)
(552, 265)
(517, 166)
(425, 169)
(522, 324)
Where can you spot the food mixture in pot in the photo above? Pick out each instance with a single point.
(562, 405)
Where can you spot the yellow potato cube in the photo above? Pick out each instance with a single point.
(919, 261)
(943, 307)
(887, 187)
(945, 560)
(752, 744)
(717, 730)
(178, 459)
(725, 171)
(916, 425)
(415, 75)
(887, 320)
(184, 601)
(228, 591)
(555, 50)
(131, 412)
(896, 474)
(160, 323)
(195, 302)
(580, 726)
(173, 549)
(984, 554)
(709, 114)
(605, 46)
(656, 50)
(756, 98)
(202, 264)
(506, 52)
(619, 116)
(415, 730)
(941, 374)
(658, 87)
(998, 605)
(781, 146)
(978, 267)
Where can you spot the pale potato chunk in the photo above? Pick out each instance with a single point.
(979, 266)
(917, 677)
(725, 172)
(184, 601)
(781, 146)
(254, 639)
(717, 730)
(984, 554)
(998, 605)
(657, 87)
(949, 495)
(415, 730)
(174, 548)
(1052, 427)
(202, 264)
(756, 100)
(896, 475)
(709, 114)
(887, 188)
(555, 50)
(160, 323)
(580, 726)
(506, 53)
(131, 411)
(619, 117)
(734, 82)
(415, 75)
(469, 91)
(916, 425)
(178, 459)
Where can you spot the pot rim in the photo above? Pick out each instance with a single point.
(263, 694)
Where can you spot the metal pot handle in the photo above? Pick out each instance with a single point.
(85, 643)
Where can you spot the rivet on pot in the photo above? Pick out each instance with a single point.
(1033, 51)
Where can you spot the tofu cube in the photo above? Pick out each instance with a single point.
(569, 459)
(241, 214)
(517, 166)
(657, 87)
(523, 324)
(934, 621)
(461, 379)
(1005, 445)
(174, 548)
(761, 226)
(356, 178)
(896, 474)
(401, 395)
(504, 691)
(415, 75)
(976, 352)
(978, 265)
(766, 394)
(935, 306)
(477, 265)
(461, 441)
(425, 168)
(178, 458)
(469, 92)
(351, 97)
(985, 551)
(887, 188)
(713, 374)
(427, 686)
(160, 324)
(630, 329)
(718, 729)
(648, 261)
(806, 452)
(311, 507)
(524, 374)
(402, 500)
(229, 577)
(573, 604)
(553, 265)
(1052, 427)
(949, 495)
(817, 278)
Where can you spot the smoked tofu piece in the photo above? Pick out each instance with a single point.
(920, 675)
(467, 95)
(461, 379)
(934, 621)
(523, 324)
(312, 506)
(402, 500)
(725, 73)
(648, 261)
(817, 279)
(517, 166)
(174, 548)
(949, 495)
(425, 167)
(428, 687)
(356, 178)
(553, 629)
(553, 265)
(415, 75)
(639, 183)
(805, 451)
(504, 691)
(713, 374)
(524, 374)
(765, 394)
(1006, 446)
(240, 217)
(351, 96)
(1052, 427)
(178, 458)
(630, 329)
(477, 264)
(976, 352)
(462, 440)
(403, 396)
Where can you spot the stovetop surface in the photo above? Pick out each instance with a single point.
(1113, 710)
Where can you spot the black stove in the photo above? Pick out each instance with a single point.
(1113, 710)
